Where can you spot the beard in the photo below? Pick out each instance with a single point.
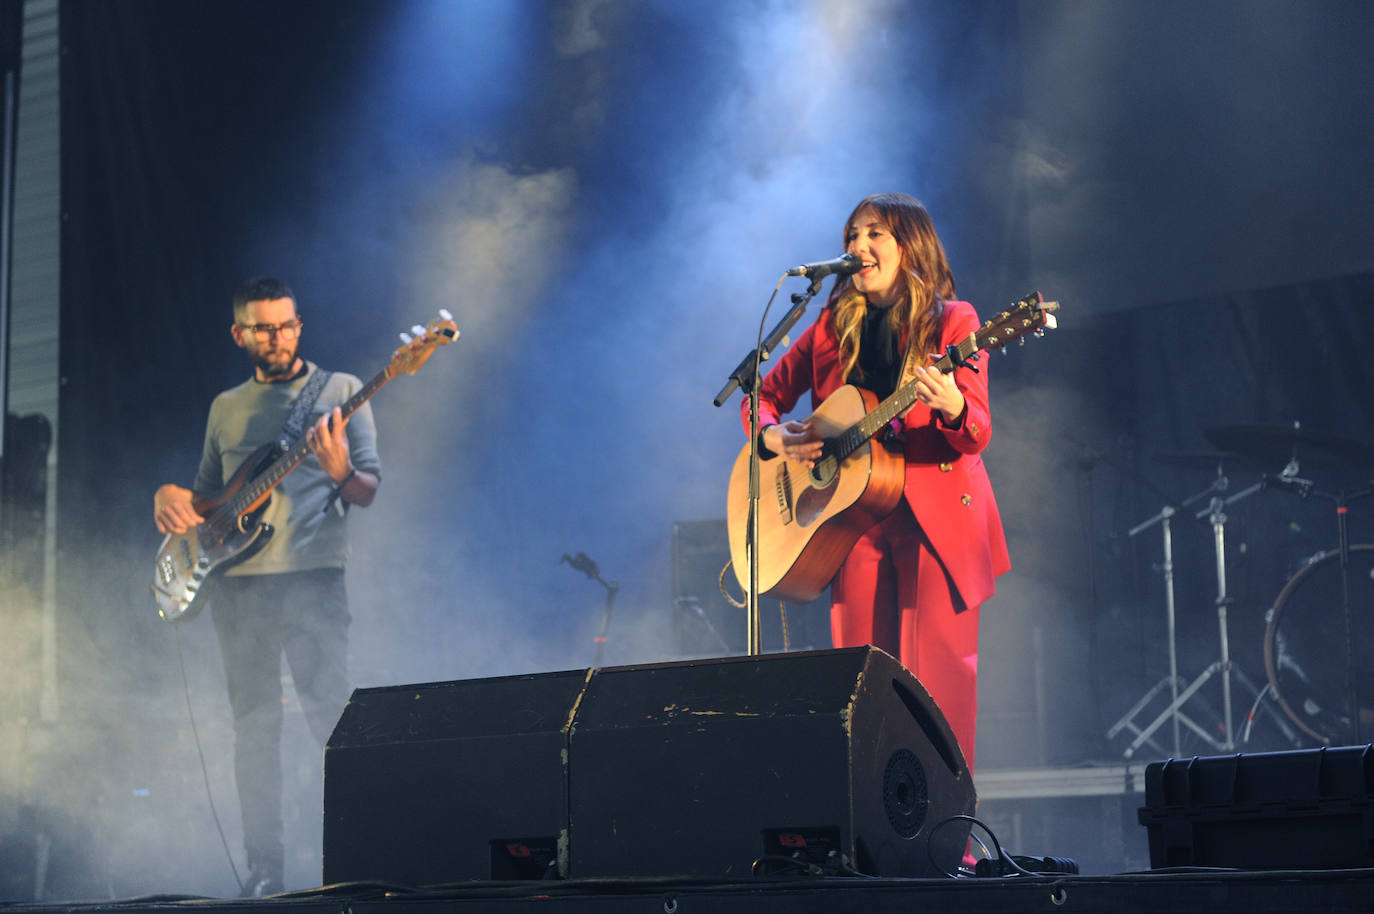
(276, 365)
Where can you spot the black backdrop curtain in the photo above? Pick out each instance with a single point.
(179, 133)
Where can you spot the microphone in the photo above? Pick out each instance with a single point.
(840, 266)
(583, 563)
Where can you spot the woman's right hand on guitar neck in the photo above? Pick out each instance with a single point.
(172, 511)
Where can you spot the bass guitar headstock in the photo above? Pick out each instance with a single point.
(419, 344)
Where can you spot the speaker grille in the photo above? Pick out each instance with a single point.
(905, 794)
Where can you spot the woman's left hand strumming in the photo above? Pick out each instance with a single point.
(937, 390)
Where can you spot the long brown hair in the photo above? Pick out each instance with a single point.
(915, 318)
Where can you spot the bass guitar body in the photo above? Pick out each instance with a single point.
(225, 538)
(809, 519)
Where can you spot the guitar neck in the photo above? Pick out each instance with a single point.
(852, 438)
(268, 479)
(1031, 314)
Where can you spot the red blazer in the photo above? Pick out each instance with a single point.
(946, 484)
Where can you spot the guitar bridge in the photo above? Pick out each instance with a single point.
(783, 488)
(166, 570)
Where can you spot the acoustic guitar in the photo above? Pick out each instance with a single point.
(809, 519)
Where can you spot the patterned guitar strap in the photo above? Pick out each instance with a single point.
(294, 426)
(909, 366)
(912, 361)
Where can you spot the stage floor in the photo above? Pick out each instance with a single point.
(1087, 813)
(1210, 891)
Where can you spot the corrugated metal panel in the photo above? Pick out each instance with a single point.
(35, 283)
(37, 220)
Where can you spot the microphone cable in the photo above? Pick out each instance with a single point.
(204, 769)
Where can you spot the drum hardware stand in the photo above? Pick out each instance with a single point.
(1343, 534)
(1216, 516)
(1177, 698)
(1305, 487)
(1340, 453)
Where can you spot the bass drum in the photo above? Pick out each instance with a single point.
(1305, 646)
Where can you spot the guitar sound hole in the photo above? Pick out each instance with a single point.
(812, 501)
(824, 471)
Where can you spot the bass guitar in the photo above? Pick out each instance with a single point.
(809, 519)
(232, 531)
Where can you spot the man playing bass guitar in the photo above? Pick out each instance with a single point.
(288, 597)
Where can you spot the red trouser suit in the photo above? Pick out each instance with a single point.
(913, 583)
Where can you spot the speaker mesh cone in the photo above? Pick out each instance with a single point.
(905, 796)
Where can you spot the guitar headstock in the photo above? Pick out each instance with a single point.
(1031, 315)
(420, 343)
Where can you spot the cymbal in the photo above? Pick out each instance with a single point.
(1197, 460)
(1277, 444)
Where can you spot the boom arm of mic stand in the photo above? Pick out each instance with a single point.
(745, 372)
(746, 377)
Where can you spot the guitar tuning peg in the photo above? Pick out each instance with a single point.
(443, 312)
(405, 337)
(418, 330)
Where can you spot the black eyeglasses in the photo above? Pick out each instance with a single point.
(287, 330)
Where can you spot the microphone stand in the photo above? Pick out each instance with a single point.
(581, 562)
(746, 377)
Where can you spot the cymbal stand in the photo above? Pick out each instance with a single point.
(1216, 516)
(1178, 698)
(1304, 487)
(1352, 684)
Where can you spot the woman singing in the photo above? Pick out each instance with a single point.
(913, 582)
